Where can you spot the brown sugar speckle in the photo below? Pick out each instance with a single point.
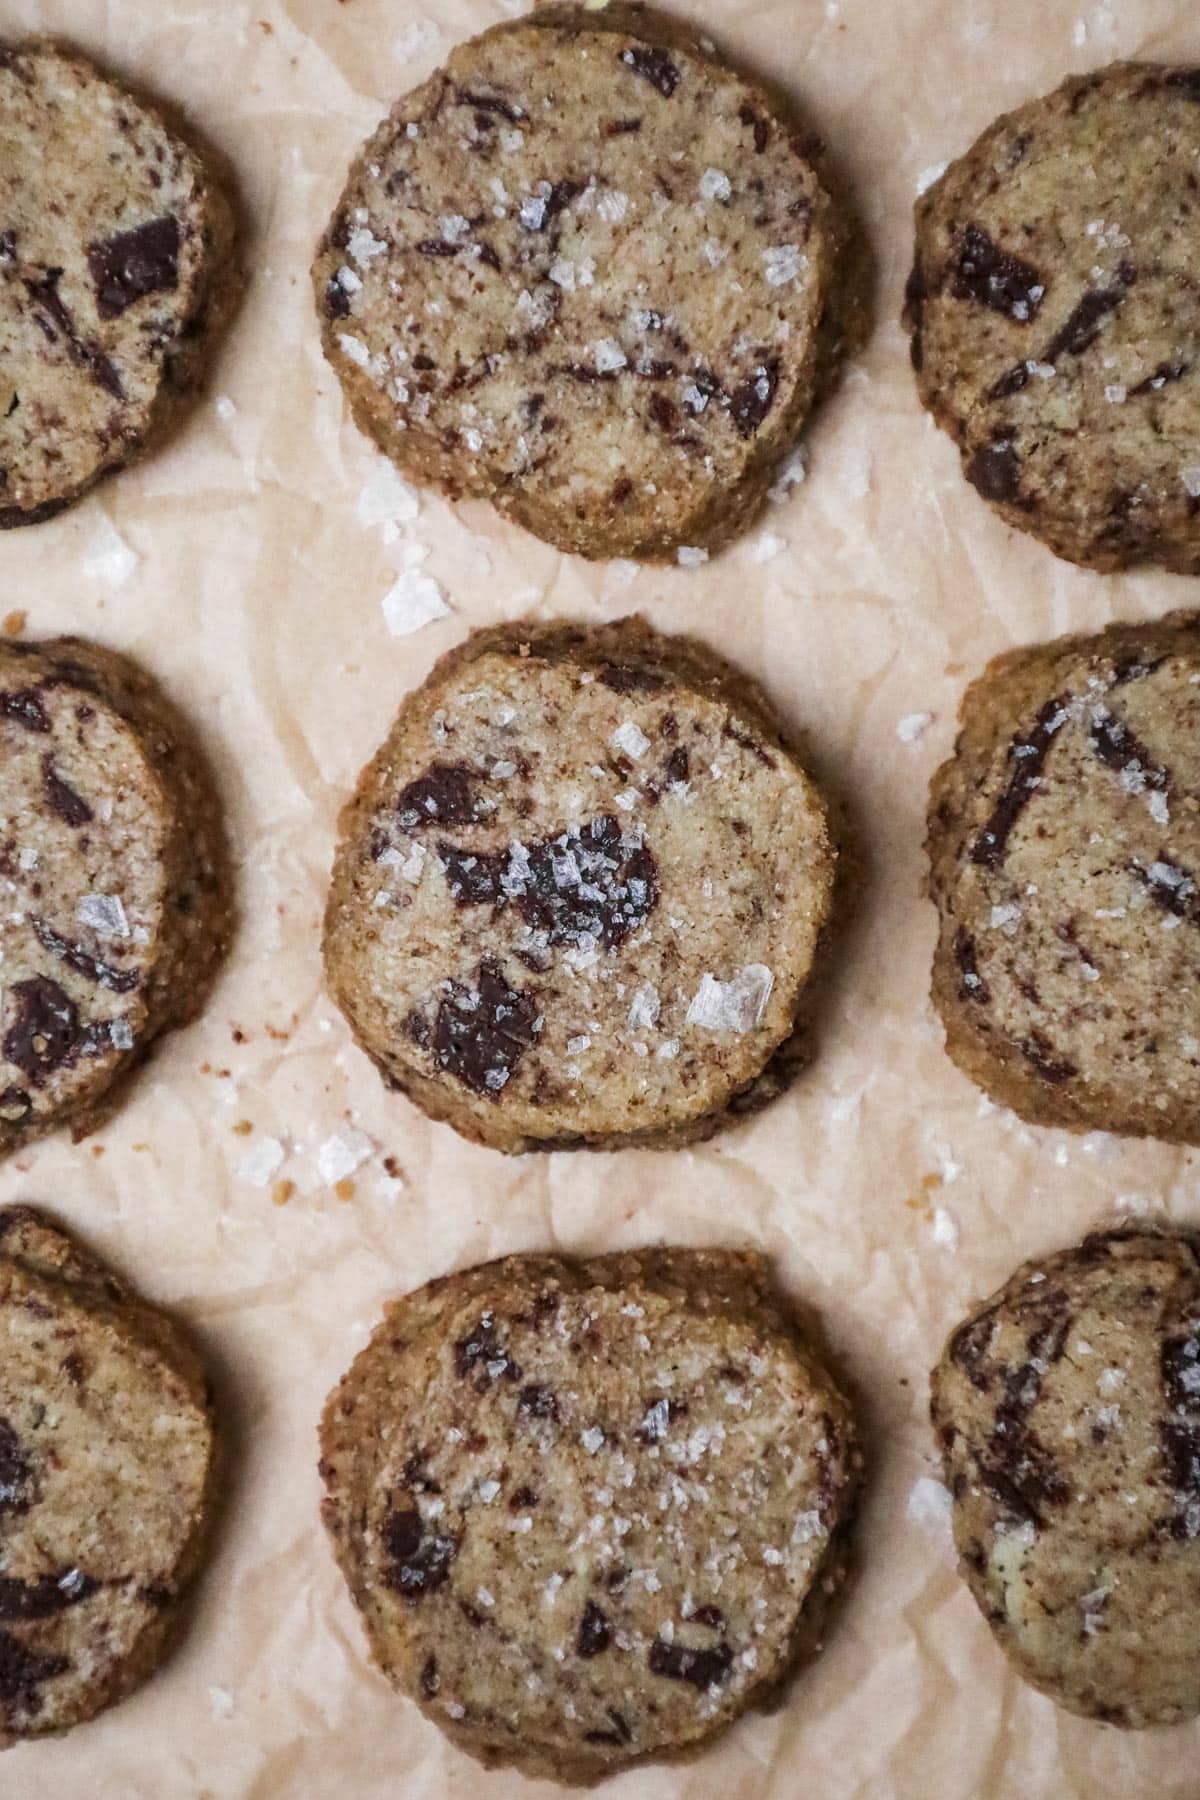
(14, 624)
(345, 1189)
(282, 1192)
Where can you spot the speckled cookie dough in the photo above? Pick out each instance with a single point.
(106, 1465)
(587, 272)
(589, 1511)
(1064, 841)
(1055, 316)
(1068, 1409)
(114, 889)
(114, 271)
(580, 889)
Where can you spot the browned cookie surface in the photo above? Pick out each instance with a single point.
(114, 244)
(585, 271)
(106, 1461)
(1055, 316)
(113, 879)
(580, 889)
(1064, 841)
(1068, 1409)
(589, 1511)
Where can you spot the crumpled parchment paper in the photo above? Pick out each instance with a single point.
(255, 564)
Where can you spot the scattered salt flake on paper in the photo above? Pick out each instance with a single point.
(108, 558)
(341, 1154)
(945, 1227)
(766, 547)
(221, 1701)
(418, 37)
(413, 601)
(385, 498)
(224, 408)
(103, 914)
(261, 1163)
(791, 472)
(736, 1005)
(930, 1505)
(691, 556)
(927, 177)
(912, 725)
(630, 738)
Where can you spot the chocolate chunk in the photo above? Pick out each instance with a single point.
(118, 981)
(750, 402)
(492, 103)
(337, 300)
(15, 1105)
(1185, 81)
(1163, 376)
(1171, 887)
(1016, 379)
(45, 1029)
(437, 247)
(54, 319)
(1083, 326)
(26, 708)
(702, 1668)
(16, 1472)
(762, 131)
(431, 1681)
(133, 264)
(654, 66)
(62, 799)
(445, 794)
(43, 1598)
(417, 1564)
(995, 471)
(623, 678)
(22, 1672)
(712, 1616)
(985, 272)
(1119, 749)
(536, 1402)
(480, 1034)
(482, 1353)
(1039, 1051)
(595, 1632)
(973, 987)
(585, 886)
(622, 127)
(1027, 758)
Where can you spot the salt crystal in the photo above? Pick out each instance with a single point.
(689, 556)
(644, 1008)
(221, 1701)
(630, 738)
(260, 1164)
(591, 1439)
(912, 726)
(1191, 480)
(120, 1035)
(103, 914)
(715, 185)
(927, 177)
(108, 558)
(609, 356)
(782, 263)
(413, 601)
(533, 211)
(736, 1005)
(354, 348)
(930, 1505)
(384, 498)
(341, 1154)
(363, 246)
(766, 547)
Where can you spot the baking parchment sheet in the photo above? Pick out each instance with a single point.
(249, 564)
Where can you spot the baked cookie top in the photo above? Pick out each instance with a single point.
(579, 890)
(106, 1453)
(1064, 841)
(1055, 316)
(115, 902)
(583, 271)
(1068, 1409)
(111, 237)
(589, 1512)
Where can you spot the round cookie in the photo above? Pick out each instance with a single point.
(588, 273)
(1068, 1413)
(106, 1466)
(1055, 316)
(589, 1511)
(113, 880)
(114, 252)
(1064, 843)
(579, 890)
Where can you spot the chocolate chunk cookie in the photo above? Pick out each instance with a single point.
(1055, 316)
(590, 1511)
(587, 272)
(114, 267)
(1068, 1410)
(579, 890)
(106, 1464)
(1064, 839)
(113, 880)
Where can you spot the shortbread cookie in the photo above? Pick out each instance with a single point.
(1068, 1409)
(106, 1463)
(1064, 839)
(1055, 316)
(114, 267)
(587, 272)
(589, 1511)
(579, 890)
(113, 877)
